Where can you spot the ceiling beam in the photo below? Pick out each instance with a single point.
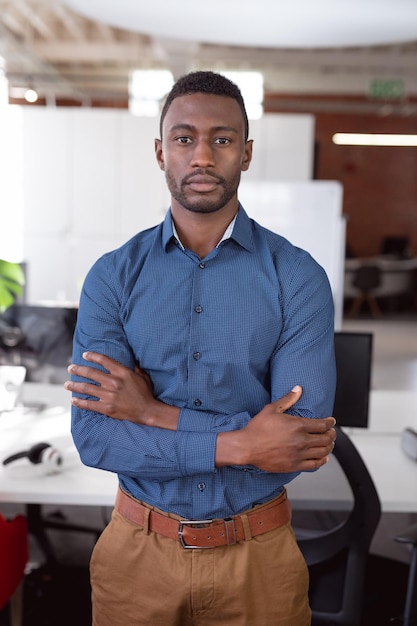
(363, 59)
(92, 51)
(105, 31)
(344, 61)
(13, 24)
(71, 24)
(29, 60)
(35, 20)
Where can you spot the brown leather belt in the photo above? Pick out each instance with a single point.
(207, 533)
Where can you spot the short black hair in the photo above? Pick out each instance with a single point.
(209, 83)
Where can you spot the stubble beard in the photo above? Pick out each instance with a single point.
(204, 203)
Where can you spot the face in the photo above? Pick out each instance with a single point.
(203, 152)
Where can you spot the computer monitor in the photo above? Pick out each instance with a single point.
(354, 368)
(396, 246)
(40, 338)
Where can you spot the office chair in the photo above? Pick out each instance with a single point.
(14, 551)
(337, 558)
(409, 536)
(367, 278)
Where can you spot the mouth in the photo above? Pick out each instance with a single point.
(202, 184)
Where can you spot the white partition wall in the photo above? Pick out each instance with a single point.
(283, 148)
(91, 181)
(309, 214)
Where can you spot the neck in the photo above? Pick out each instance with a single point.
(201, 232)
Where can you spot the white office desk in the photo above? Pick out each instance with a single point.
(22, 428)
(394, 474)
(390, 412)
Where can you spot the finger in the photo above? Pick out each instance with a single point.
(285, 402)
(324, 448)
(101, 359)
(313, 464)
(322, 425)
(315, 445)
(315, 425)
(87, 389)
(308, 464)
(84, 371)
(317, 453)
(88, 405)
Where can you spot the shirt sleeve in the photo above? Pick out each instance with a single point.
(122, 446)
(305, 351)
(304, 354)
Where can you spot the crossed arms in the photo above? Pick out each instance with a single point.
(273, 440)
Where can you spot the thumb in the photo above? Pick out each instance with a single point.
(285, 402)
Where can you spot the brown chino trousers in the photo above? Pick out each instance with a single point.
(141, 578)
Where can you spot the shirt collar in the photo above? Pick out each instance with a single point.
(239, 229)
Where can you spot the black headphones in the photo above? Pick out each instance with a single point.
(42, 456)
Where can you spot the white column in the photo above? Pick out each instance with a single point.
(11, 175)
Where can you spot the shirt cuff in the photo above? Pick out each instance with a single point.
(197, 453)
(199, 421)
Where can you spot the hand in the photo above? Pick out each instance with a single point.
(275, 441)
(121, 393)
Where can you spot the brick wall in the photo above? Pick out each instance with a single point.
(380, 183)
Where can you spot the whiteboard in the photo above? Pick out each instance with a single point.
(309, 214)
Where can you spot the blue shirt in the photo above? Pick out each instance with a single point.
(220, 337)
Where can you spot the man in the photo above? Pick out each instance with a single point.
(188, 342)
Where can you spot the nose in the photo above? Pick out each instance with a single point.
(203, 155)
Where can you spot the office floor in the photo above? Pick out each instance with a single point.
(60, 594)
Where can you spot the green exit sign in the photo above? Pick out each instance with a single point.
(387, 89)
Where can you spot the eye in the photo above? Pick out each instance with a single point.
(222, 140)
(183, 140)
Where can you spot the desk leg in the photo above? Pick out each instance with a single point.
(37, 529)
(410, 616)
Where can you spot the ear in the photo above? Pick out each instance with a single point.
(248, 155)
(159, 154)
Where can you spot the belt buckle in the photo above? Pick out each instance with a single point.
(182, 523)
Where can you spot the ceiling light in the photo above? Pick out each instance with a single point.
(374, 139)
(251, 85)
(146, 90)
(31, 95)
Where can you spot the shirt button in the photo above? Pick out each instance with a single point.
(197, 402)
(202, 266)
(201, 486)
(198, 308)
(196, 356)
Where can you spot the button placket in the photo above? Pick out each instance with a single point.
(196, 333)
